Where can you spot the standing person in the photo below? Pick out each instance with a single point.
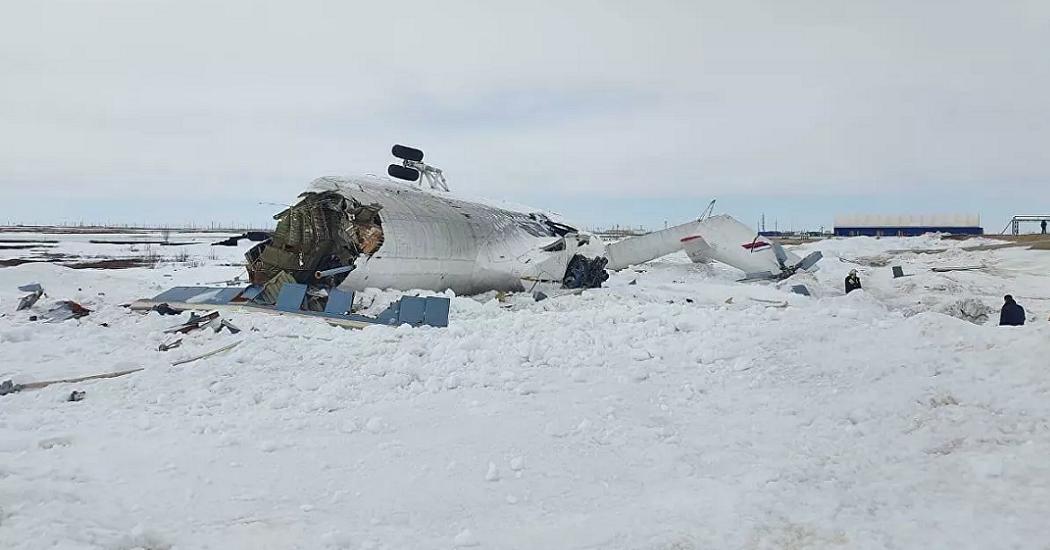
(852, 281)
(1012, 313)
(1042, 224)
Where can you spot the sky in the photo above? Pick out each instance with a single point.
(630, 113)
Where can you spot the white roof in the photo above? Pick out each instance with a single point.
(908, 220)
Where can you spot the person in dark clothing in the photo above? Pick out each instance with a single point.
(852, 281)
(1042, 224)
(1012, 313)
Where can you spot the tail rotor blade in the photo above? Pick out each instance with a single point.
(810, 260)
(778, 251)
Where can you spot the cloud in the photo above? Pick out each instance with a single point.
(557, 101)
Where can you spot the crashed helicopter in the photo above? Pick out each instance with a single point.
(372, 232)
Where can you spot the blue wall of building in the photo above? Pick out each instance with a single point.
(903, 231)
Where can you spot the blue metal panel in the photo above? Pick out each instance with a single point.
(339, 301)
(180, 294)
(252, 292)
(291, 297)
(436, 312)
(411, 310)
(389, 315)
(224, 296)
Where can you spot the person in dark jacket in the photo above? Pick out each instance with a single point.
(1012, 313)
(852, 281)
(1042, 224)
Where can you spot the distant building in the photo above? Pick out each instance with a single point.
(907, 225)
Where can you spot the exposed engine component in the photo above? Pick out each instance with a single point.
(586, 272)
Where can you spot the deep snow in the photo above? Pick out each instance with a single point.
(678, 412)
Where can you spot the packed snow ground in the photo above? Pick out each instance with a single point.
(678, 412)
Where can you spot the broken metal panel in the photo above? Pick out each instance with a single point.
(411, 310)
(270, 290)
(339, 302)
(217, 296)
(435, 313)
(65, 310)
(431, 311)
(182, 293)
(291, 297)
(28, 300)
(251, 292)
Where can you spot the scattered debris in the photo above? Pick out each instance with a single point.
(223, 323)
(195, 322)
(868, 261)
(165, 346)
(946, 269)
(236, 281)
(65, 310)
(290, 300)
(77, 395)
(898, 272)
(801, 290)
(771, 303)
(165, 309)
(968, 309)
(205, 355)
(254, 236)
(10, 387)
(917, 251)
(35, 292)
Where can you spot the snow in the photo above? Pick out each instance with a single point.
(683, 411)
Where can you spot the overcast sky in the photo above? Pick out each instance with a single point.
(608, 112)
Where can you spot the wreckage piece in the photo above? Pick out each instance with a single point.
(35, 292)
(946, 269)
(65, 310)
(720, 238)
(195, 322)
(724, 239)
(165, 309)
(412, 310)
(206, 355)
(9, 387)
(170, 345)
(225, 324)
(254, 236)
(585, 273)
